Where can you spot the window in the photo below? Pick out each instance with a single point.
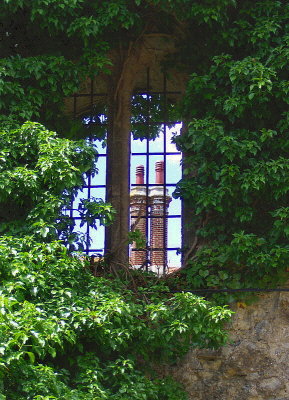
(155, 170)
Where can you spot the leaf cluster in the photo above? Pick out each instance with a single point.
(236, 146)
(40, 176)
(76, 336)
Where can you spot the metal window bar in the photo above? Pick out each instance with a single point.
(147, 171)
(165, 233)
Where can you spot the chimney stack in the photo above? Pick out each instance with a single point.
(138, 211)
(159, 202)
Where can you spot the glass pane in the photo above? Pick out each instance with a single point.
(100, 146)
(152, 167)
(157, 144)
(173, 169)
(175, 206)
(174, 260)
(99, 178)
(97, 238)
(98, 193)
(174, 232)
(138, 145)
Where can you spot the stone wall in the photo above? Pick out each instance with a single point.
(253, 366)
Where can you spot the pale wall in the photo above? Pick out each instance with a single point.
(255, 366)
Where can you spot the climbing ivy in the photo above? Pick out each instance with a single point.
(48, 48)
(236, 168)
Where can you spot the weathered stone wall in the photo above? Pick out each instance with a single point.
(254, 366)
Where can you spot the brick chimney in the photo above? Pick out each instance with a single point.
(138, 210)
(159, 202)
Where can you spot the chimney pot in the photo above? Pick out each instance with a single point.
(159, 168)
(139, 175)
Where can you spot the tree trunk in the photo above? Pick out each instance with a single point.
(126, 66)
(120, 86)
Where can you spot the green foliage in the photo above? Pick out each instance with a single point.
(40, 174)
(236, 171)
(26, 82)
(146, 108)
(33, 88)
(64, 333)
(138, 238)
(68, 334)
(90, 208)
(49, 48)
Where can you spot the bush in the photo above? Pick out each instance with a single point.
(66, 334)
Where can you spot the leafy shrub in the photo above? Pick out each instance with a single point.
(40, 174)
(66, 334)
